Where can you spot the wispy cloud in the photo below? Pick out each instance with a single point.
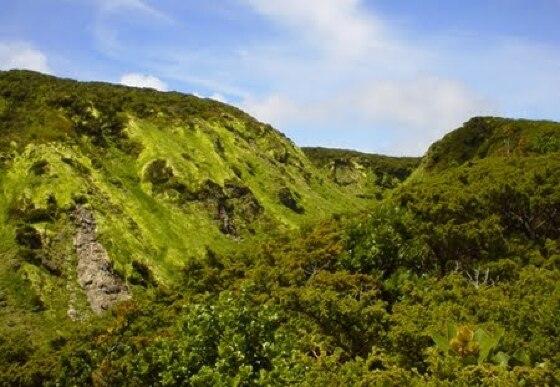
(218, 97)
(21, 55)
(143, 80)
(412, 113)
(125, 6)
(364, 75)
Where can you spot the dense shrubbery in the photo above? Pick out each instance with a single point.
(332, 307)
(36, 107)
(367, 174)
(289, 313)
(463, 217)
(483, 137)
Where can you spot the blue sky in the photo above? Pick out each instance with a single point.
(383, 76)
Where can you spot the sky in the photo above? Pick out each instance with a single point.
(383, 76)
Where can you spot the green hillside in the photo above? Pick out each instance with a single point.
(165, 174)
(365, 175)
(152, 238)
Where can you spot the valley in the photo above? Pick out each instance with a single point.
(151, 238)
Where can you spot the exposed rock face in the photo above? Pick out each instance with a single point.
(102, 286)
(345, 172)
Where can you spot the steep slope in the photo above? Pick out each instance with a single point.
(365, 175)
(198, 228)
(166, 177)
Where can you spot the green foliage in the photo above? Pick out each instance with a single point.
(397, 167)
(165, 173)
(239, 276)
(447, 224)
(383, 243)
(365, 175)
(483, 137)
(471, 343)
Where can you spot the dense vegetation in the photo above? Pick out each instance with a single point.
(360, 173)
(450, 278)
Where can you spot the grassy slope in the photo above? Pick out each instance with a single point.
(111, 178)
(200, 140)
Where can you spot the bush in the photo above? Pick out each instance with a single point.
(288, 199)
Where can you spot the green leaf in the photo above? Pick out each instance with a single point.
(501, 358)
(487, 341)
(522, 356)
(443, 337)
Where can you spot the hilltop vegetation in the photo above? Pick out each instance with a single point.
(483, 137)
(248, 264)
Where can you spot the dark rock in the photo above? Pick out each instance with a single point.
(39, 215)
(112, 289)
(158, 172)
(29, 237)
(235, 190)
(51, 266)
(210, 190)
(227, 226)
(39, 167)
(142, 274)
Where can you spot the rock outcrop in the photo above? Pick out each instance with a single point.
(95, 275)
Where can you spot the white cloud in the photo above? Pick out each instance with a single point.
(420, 110)
(276, 109)
(142, 80)
(218, 97)
(18, 55)
(366, 77)
(334, 70)
(342, 27)
(421, 102)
